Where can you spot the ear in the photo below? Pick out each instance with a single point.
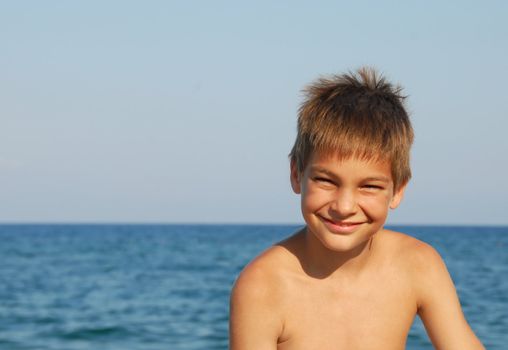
(295, 177)
(397, 196)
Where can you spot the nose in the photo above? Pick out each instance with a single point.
(344, 203)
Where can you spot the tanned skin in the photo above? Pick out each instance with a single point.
(344, 282)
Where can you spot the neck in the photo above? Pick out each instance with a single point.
(322, 262)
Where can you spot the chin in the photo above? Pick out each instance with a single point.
(342, 243)
(345, 246)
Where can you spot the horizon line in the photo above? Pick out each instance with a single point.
(168, 223)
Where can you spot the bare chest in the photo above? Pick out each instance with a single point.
(373, 314)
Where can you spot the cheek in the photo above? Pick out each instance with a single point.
(313, 197)
(376, 206)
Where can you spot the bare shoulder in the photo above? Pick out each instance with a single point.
(271, 270)
(437, 302)
(258, 301)
(414, 253)
(417, 261)
(262, 277)
(425, 266)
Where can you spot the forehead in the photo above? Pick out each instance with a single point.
(352, 166)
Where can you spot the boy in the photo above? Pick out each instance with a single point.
(343, 281)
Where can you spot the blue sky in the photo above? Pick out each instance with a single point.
(160, 111)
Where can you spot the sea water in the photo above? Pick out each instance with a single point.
(167, 286)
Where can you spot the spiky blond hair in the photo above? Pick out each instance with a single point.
(358, 114)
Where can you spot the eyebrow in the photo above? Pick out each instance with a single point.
(379, 178)
(370, 178)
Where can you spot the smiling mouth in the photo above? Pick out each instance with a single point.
(340, 227)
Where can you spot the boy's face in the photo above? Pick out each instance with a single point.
(345, 202)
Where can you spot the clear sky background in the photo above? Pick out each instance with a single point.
(162, 111)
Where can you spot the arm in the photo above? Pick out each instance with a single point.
(254, 322)
(439, 306)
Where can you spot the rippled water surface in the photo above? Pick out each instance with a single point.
(167, 286)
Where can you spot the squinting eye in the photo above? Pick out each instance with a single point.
(323, 179)
(373, 187)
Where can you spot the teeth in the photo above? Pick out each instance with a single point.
(345, 224)
(342, 224)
